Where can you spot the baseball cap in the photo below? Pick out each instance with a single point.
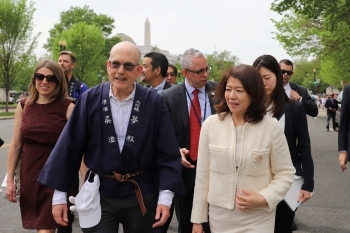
(87, 203)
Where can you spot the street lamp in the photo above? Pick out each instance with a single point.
(314, 76)
(62, 44)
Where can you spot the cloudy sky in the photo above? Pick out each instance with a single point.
(242, 27)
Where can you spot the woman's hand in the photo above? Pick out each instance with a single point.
(247, 200)
(343, 160)
(11, 191)
(197, 228)
(304, 196)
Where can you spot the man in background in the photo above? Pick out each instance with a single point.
(332, 107)
(154, 69)
(67, 61)
(76, 88)
(297, 92)
(189, 104)
(171, 74)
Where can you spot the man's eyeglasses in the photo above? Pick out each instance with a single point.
(201, 72)
(170, 74)
(49, 78)
(289, 72)
(128, 66)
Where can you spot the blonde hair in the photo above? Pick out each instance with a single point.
(61, 90)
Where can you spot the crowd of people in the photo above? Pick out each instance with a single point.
(221, 157)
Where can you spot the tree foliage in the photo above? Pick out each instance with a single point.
(330, 12)
(76, 15)
(87, 43)
(221, 62)
(318, 29)
(16, 40)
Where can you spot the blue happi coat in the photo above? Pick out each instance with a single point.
(150, 144)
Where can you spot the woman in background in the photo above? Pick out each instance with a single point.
(39, 120)
(292, 118)
(244, 168)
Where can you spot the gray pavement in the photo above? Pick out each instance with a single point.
(326, 212)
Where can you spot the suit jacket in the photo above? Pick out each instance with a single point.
(166, 86)
(333, 105)
(176, 100)
(265, 166)
(297, 135)
(344, 126)
(309, 104)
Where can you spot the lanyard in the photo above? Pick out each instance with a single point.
(205, 105)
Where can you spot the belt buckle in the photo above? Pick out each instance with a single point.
(125, 177)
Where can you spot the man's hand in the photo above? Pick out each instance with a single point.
(162, 214)
(343, 160)
(60, 213)
(184, 152)
(294, 95)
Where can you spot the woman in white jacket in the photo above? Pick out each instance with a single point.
(244, 167)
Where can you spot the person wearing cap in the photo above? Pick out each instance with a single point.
(130, 149)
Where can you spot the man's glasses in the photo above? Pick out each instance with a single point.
(201, 72)
(128, 66)
(289, 72)
(172, 74)
(49, 78)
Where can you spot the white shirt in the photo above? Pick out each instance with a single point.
(288, 89)
(160, 87)
(121, 111)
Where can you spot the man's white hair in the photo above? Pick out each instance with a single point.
(186, 58)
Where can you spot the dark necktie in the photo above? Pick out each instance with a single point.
(195, 126)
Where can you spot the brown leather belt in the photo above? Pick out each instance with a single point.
(126, 178)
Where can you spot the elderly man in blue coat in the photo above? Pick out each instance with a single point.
(125, 133)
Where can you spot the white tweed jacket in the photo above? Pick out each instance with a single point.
(265, 165)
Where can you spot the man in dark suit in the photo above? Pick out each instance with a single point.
(344, 128)
(297, 92)
(182, 102)
(155, 67)
(332, 107)
(154, 72)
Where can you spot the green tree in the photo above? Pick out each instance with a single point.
(155, 49)
(16, 40)
(299, 36)
(330, 12)
(76, 15)
(221, 62)
(304, 38)
(87, 42)
(25, 74)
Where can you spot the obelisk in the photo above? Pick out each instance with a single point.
(147, 33)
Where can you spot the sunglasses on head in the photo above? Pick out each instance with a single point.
(289, 72)
(49, 78)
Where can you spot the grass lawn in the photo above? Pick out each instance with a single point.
(2, 114)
